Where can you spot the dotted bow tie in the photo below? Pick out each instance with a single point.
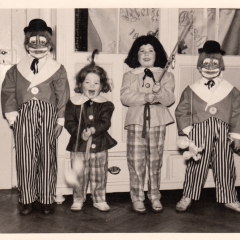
(148, 73)
(210, 83)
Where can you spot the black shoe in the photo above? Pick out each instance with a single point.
(26, 209)
(47, 209)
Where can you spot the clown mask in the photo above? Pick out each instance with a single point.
(210, 65)
(38, 46)
(210, 68)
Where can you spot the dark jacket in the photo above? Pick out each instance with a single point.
(97, 115)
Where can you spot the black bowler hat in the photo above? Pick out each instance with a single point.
(211, 47)
(37, 25)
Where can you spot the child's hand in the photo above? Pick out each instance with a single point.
(86, 134)
(93, 130)
(149, 97)
(156, 88)
(57, 130)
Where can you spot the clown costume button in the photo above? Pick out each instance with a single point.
(35, 90)
(147, 85)
(90, 117)
(93, 145)
(212, 110)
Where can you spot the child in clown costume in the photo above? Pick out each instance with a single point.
(146, 118)
(209, 114)
(34, 95)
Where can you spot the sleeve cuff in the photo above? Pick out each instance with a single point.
(187, 130)
(235, 135)
(11, 117)
(61, 121)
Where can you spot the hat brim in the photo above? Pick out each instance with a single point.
(30, 29)
(201, 50)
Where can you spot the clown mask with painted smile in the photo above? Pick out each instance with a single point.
(210, 68)
(38, 46)
(91, 86)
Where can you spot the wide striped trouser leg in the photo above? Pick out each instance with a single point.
(98, 164)
(25, 128)
(46, 152)
(196, 171)
(136, 159)
(79, 193)
(223, 166)
(156, 136)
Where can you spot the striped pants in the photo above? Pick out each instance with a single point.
(138, 158)
(35, 145)
(217, 153)
(95, 172)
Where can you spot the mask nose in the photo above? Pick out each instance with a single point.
(210, 66)
(38, 43)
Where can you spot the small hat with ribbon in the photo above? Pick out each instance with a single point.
(211, 47)
(37, 25)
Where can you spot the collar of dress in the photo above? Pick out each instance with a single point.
(80, 99)
(48, 69)
(141, 70)
(222, 90)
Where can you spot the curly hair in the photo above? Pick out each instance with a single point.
(161, 55)
(92, 68)
(45, 34)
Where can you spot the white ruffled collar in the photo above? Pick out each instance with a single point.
(80, 99)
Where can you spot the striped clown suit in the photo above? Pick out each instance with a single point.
(33, 106)
(209, 117)
(145, 139)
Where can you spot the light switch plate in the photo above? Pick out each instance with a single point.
(8, 56)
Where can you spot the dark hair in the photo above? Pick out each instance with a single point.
(45, 34)
(161, 56)
(92, 68)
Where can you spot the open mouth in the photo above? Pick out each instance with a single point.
(91, 92)
(210, 72)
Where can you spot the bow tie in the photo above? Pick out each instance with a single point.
(88, 103)
(210, 83)
(148, 73)
(34, 66)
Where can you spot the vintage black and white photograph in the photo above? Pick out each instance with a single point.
(120, 119)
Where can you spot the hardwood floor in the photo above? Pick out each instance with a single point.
(204, 216)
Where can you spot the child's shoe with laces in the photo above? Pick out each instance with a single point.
(183, 204)
(77, 206)
(157, 206)
(138, 206)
